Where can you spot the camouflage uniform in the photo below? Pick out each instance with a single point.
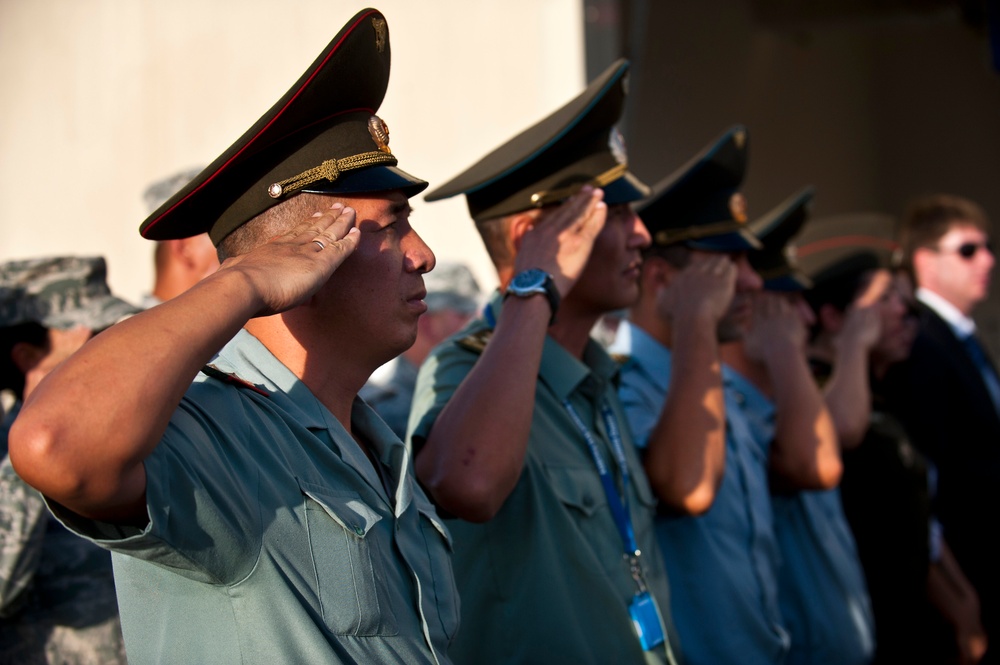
(57, 595)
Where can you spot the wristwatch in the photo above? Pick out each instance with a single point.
(535, 281)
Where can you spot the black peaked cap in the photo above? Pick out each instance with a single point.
(775, 262)
(699, 204)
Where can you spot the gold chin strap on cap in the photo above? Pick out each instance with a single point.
(547, 197)
(671, 236)
(330, 170)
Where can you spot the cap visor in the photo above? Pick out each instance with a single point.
(370, 181)
(626, 189)
(737, 241)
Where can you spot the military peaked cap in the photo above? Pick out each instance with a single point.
(322, 137)
(552, 160)
(699, 205)
(776, 262)
(833, 247)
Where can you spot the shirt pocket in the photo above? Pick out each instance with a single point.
(349, 562)
(438, 542)
(595, 544)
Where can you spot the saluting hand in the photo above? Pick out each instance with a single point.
(862, 320)
(777, 327)
(287, 270)
(562, 237)
(703, 289)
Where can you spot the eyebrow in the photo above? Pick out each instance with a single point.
(401, 207)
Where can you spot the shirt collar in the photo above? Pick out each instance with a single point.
(560, 370)
(247, 358)
(962, 325)
(634, 342)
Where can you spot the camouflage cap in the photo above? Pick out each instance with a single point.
(451, 285)
(157, 193)
(59, 292)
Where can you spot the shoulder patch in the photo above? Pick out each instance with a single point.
(232, 379)
(476, 341)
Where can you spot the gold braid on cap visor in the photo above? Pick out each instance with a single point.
(669, 237)
(330, 170)
(547, 197)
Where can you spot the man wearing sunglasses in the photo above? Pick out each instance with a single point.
(948, 395)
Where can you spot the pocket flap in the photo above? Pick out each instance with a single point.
(345, 508)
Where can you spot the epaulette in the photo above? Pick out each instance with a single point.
(476, 341)
(232, 379)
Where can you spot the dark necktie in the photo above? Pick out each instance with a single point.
(985, 367)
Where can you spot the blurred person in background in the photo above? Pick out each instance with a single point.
(948, 393)
(57, 593)
(179, 263)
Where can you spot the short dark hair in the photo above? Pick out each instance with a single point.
(928, 218)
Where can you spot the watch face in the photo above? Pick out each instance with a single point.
(529, 281)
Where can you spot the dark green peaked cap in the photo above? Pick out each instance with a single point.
(776, 262)
(322, 136)
(699, 204)
(550, 161)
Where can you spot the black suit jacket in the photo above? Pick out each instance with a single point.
(941, 398)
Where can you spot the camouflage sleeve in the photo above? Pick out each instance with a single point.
(22, 529)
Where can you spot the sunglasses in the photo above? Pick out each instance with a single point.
(967, 250)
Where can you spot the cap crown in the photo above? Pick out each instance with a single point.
(59, 292)
(699, 204)
(320, 136)
(552, 159)
(775, 262)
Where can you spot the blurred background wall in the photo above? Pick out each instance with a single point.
(871, 101)
(99, 98)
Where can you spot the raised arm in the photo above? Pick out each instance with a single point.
(473, 455)
(805, 453)
(83, 434)
(686, 450)
(848, 393)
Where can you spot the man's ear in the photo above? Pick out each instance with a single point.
(519, 224)
(830, 318)
(921, 257)
(26, 356)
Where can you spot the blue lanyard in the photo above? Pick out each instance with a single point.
(618, 504)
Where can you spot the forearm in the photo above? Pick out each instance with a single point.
(848, 396)
(955, 598)
(685, 454)
(805, 453)
(84, 432)
(473, 456)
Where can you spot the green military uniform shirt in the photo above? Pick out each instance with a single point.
(273, 539)
(545, 580)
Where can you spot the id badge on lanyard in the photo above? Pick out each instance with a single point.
(643, 611)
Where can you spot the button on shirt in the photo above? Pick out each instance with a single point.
(723, 564)
(273, 539)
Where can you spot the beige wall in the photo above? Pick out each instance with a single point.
(101, 97)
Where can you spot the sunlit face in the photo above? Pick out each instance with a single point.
(378, 292)
(958, 268)
(736, 321)
(610, 280)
